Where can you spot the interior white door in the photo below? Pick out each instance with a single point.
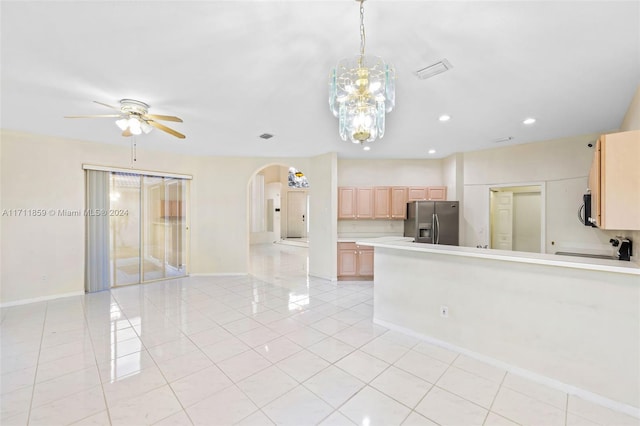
(296, 214)
(502, 220)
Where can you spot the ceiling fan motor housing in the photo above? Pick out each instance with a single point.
(131, 106)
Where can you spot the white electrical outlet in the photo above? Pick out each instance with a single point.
(444, 311)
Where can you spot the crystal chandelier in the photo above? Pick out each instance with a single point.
(361, 92)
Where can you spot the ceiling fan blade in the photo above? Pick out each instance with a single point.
(127, 133)
(163, 117)
(107, 105)
(166, 129)
(94, 116)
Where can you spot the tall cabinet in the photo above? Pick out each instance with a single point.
(614, 181)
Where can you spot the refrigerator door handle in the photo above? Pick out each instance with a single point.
(437, 224)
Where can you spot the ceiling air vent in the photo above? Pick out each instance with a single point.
(434, 69)
(266, 136)
(505, 139)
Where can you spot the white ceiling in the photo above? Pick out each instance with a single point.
(236, 69)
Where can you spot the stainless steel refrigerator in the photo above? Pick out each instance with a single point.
(433, 222)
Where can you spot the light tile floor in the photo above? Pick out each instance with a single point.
(274, 347)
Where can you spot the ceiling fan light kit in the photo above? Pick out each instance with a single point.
(361, 92)
(134, 118)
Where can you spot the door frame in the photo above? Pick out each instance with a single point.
(306, 208)
(496, 204)
(543, 207)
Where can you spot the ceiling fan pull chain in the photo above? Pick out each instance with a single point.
(133, 151)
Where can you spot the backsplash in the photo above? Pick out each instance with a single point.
(602, 245)
(370, 228)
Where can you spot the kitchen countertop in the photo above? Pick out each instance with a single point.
(608, 265)
(385, 239)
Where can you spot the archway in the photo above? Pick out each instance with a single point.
(278, 214)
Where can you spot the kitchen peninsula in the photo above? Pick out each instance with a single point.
(571, 323)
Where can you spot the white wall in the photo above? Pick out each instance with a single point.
(389, 172)
(453, 176)
(370, 228)
(41, 258)
(386, 173)
(579, 327)
(323, 216)
(272, 191)
(44, 257)
(561, 165)
(631, 120)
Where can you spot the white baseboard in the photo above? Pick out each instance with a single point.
(323, 277)
(40, 299)
(219, 274)
(534, 377)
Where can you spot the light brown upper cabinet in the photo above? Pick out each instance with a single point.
(347, 202)
(437, 193)
(355, 203)
(364, 206)
(399, 198)
(614, 181)
(433, 193)
(382, 202)
(417, 193)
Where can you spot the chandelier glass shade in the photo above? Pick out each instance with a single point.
(361, 92)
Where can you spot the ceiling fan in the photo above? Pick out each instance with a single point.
(134, 119)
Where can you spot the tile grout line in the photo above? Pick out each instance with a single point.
(35, 375)
(93, 350)
(566, 410)
(493, 400)
(146, 349)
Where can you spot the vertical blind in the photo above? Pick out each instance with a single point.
(97, 232)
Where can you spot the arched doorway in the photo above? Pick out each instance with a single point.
(278, 213)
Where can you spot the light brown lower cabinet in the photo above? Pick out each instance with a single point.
(355, 261)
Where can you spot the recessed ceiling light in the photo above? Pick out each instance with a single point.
(367, 148)
(266, 136)
(432, 151)
(529, 121)
(444, 117)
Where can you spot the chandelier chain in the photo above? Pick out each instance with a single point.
(362, 34)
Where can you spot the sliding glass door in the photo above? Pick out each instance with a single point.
(165, 237)
(124, 228)
(147, 229)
